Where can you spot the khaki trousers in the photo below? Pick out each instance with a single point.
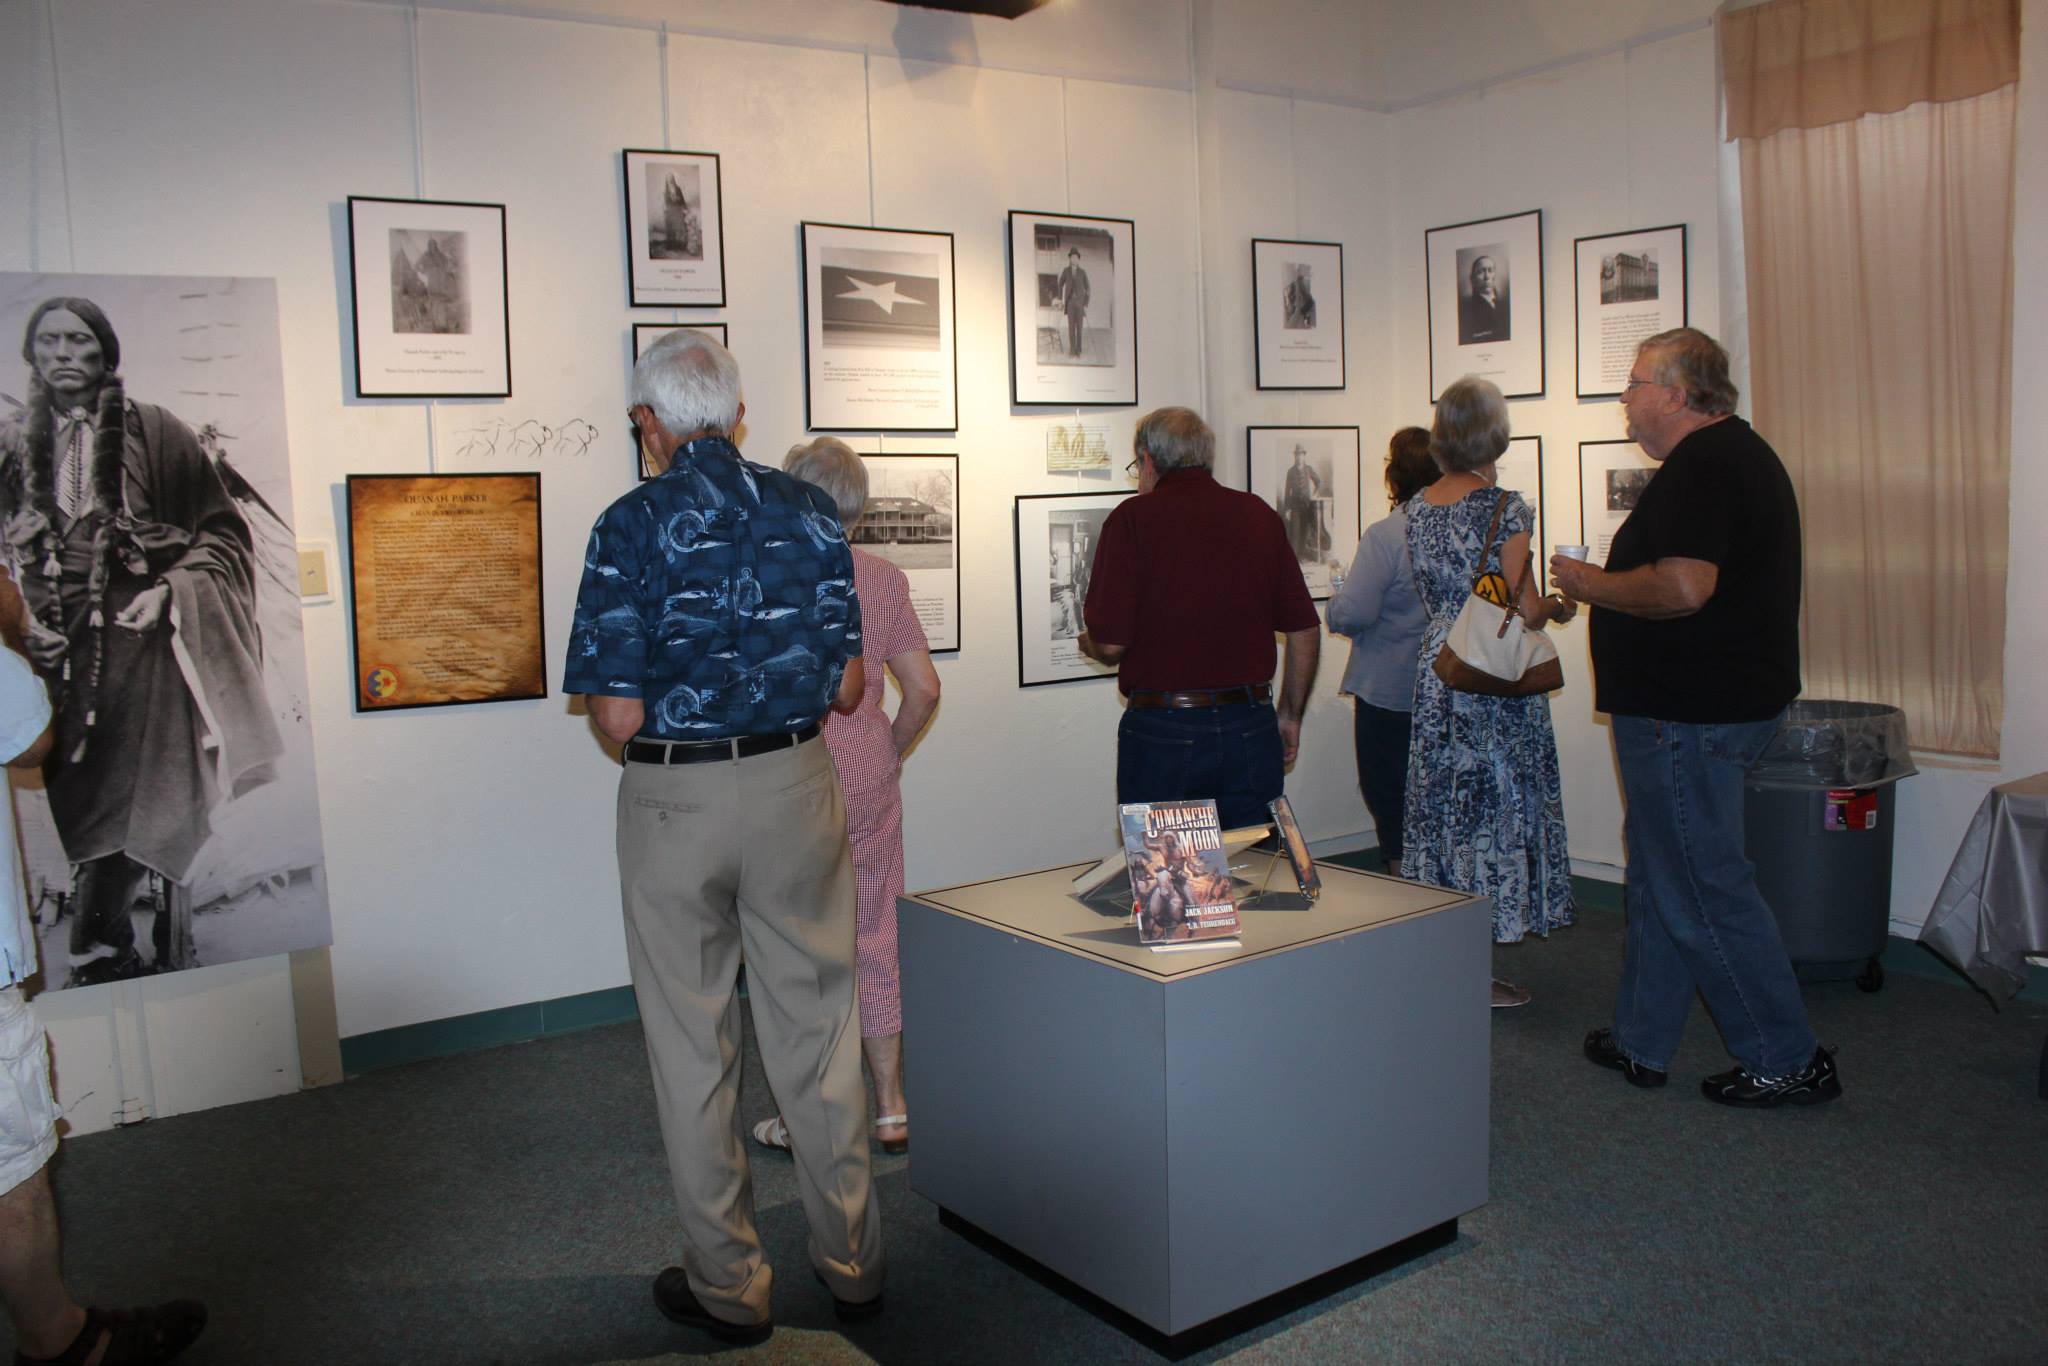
(748, 858)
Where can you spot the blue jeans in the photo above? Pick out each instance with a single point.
(1229, 753)
(1695, 918)
(1380, 739)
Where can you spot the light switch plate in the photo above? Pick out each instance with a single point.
(315, 583)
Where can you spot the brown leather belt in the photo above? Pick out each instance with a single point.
(714, 751)
(1219, 697)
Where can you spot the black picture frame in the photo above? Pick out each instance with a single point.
(1625, 301)
(665, 267)
(429, 298)
(934, 587)
(1297, 321)
(1332, 454)
(1049, 615)
(868, 368)
(1490, 338)
(1046, 371)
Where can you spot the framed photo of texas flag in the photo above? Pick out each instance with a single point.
(879, 350)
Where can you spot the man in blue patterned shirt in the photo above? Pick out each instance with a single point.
(716, 623)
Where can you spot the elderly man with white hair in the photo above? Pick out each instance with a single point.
(716, 625)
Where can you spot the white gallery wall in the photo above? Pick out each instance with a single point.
(469, 849)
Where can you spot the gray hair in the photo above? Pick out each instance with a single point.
(1694, 363)
(832, 465)
(1176, 439)
(690, 382)
(1471, 427)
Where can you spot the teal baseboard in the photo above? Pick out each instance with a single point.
(564, 1014)
(1900, 956)
(485, 1029)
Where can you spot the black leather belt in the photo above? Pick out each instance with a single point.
(1220, 697)
(715, 751)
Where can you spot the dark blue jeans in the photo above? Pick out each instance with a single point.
(1229, 753)
(1380, 738)
(1695, 918)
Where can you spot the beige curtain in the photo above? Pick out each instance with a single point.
(1876, 142)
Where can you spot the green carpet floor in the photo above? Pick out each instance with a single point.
(511, 1206)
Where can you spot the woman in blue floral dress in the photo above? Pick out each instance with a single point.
(1485, 813)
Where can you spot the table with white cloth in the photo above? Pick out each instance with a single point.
(1992, 910)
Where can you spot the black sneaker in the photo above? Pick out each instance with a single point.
(672, 1296)
(1813, 1084)
(1600, 1048)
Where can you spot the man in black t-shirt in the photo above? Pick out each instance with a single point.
(1695, 634)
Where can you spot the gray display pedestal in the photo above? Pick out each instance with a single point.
(1184, 1134)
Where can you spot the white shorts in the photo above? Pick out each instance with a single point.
(28, 1110)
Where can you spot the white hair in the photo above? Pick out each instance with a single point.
(690, 382)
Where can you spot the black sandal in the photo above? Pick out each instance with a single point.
(134, 1337)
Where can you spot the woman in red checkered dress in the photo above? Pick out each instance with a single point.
(867, 749)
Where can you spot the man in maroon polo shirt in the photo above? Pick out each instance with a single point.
(1191, 581)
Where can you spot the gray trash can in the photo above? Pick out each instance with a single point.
(1817, 816)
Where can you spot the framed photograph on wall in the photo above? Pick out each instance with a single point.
(428, 297)
(1626, 286)
(644, 334)
(1521, 469)
(1612, 475)
(912, 522)
(878, 330)
(446, 589)
(675, 229)
(1310, 476)
(1298, 314)
(1056, 538)
(1486, 303)
(1073, 310)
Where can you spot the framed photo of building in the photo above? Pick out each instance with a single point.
(645, 334)
(675, 229)
(428, 297)
(1073, 310)
(878, 330)
(1521, 468)
(1485, 283)
(1626, 286)
(445, 572)
(1310, 476)
(912, 521)
(1056, 538)
(1298, 314)
(1612, 476)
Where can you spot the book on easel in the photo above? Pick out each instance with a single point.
(1181, 892)
(1106, 883)
(1296, 848)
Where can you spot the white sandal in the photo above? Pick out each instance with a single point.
(773, 1133)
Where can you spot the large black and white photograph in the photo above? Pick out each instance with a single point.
(912, 521)
(1628, 287)
(146, 514)
(1612, 476)
(1310, 476)
(878, 330)
(1485, 289)
(675, 233)
(1520, 468)
(429, 299)
(1057, 534)
(1073, 310)
(1298, 314)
